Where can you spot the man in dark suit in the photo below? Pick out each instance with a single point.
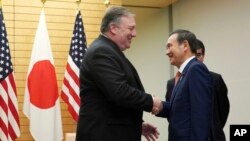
(189, 110)
(221, 103)
(112, 95)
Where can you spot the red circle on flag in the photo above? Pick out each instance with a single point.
(42, 85)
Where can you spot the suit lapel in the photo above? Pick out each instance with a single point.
(136, 76)
(175, 89)
(129, 64)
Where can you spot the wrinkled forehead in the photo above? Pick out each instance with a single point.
(128, 20)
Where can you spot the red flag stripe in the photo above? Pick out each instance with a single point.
(12, 132)
(3, 131)
(70, 96)
(73, 112)
(8, 98)
(70, 88)
(12, 82)
(71, 82)
(4, 96)
(73, 71)
(70, 92)
(13, 107)
(72, 108)
(12, 98)
(3, 109)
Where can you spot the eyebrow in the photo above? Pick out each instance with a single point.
(168, 45)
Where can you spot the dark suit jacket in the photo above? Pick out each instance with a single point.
(190, 108)
(170, 86)
(221, 105)
(112, 96)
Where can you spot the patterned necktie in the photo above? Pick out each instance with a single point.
(177, 77)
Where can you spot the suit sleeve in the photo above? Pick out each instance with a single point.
(165, 111)
(109, 75)
(200, 89)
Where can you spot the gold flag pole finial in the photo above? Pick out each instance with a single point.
(106, 3)
(43, 1)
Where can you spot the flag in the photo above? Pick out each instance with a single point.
(70, 88)
(9, 118)
(41, 100)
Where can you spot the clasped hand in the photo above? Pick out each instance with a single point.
(157, 105)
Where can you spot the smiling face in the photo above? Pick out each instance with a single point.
(175, 51)
(124, 31)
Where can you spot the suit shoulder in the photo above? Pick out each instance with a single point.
(214, 73)
(197, 65)
(171, 80)
(99, 46)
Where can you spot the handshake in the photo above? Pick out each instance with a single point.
(157, 105)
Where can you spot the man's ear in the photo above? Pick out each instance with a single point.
(185, 44)
(113, 28)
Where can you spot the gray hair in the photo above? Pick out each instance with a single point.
(186, 35)
(113, 15)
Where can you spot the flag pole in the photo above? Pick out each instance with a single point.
(78, 4)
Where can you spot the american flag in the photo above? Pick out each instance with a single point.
(71, 84)
(9, 118)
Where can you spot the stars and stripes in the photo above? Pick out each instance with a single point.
(71, 84)
(9, 118)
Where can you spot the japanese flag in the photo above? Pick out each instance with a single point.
(41, 101)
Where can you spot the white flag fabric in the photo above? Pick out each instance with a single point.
(41, 101)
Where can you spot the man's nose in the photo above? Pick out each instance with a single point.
(134, 33)
(167, 51)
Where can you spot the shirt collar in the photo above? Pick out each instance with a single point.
(183, 65)
(104, 35)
